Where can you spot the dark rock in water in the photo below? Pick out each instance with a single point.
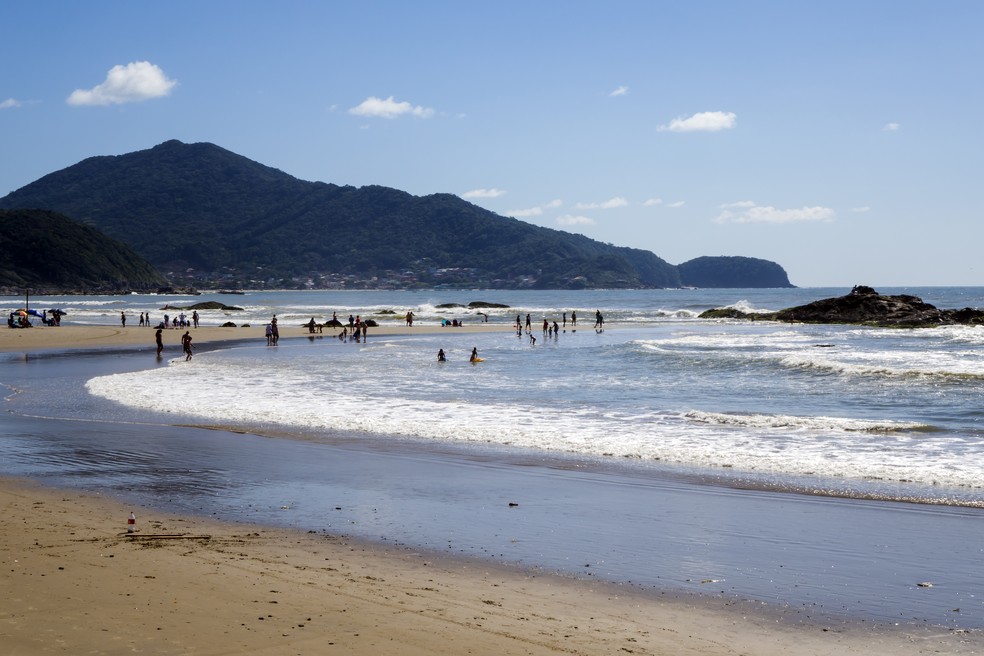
(334, 323)
(228, 324)
(207, 305)
(863, 306)
(726, 313)
(447, 306)
(485, 304)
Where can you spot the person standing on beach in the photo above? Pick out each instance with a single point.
(194, 318)
(599, 320)
(573, 317)
(160, 343)
(276, 331)
(186, 345)
(565, 320)
(123, 318)
(529, 324)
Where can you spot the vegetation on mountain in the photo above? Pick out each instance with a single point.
(199, 211)
(723, 271)
(45, 251)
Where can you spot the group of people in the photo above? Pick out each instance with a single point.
(179, 321)
(272, 332)
(185, 344)
(442, 356)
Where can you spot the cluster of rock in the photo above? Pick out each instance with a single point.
(863, 306)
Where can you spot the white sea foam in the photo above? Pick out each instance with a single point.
(376, 394)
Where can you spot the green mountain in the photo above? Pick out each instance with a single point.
(719, 271)
(200, 212)
(45, 251)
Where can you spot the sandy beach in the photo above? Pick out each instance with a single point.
(80, 336)
(74, 581)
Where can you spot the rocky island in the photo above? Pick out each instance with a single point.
(863, 306)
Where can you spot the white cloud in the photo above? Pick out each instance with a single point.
(652, 202)
(525, 214)
(389, 108)
(702, 122)
(679, 203)
(861, 210)
(740, 203)
(749, 212)
(131, 83)
(571, 220)
(483, 193)
(620, 91)
(535, 211)
(609, 204)
(10, 103)
(892, 127)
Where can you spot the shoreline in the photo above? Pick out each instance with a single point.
(534, 614)
(85, 336)
(78, 581)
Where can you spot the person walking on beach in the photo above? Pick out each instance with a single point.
(194, 318)
(573, 317)
(409, 319)
(276, 331)
(528, 322)
(269, 334)
(160, 343)
(599, 320)
(186, 345)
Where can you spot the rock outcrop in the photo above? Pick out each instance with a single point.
(863, 306)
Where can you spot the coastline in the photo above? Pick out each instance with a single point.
(78, 336)
(535, 612)
(77, 582)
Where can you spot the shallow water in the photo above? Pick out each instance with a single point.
(757, 461)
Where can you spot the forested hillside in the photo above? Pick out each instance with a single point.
(44, 250)
(199, 210)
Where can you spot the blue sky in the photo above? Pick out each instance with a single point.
(840, 139)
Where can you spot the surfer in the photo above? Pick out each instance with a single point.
(474, 356)
(440, 356)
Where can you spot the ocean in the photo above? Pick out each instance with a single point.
(866, 418)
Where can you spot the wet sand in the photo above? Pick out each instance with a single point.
(88, 336)
(73, 582)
